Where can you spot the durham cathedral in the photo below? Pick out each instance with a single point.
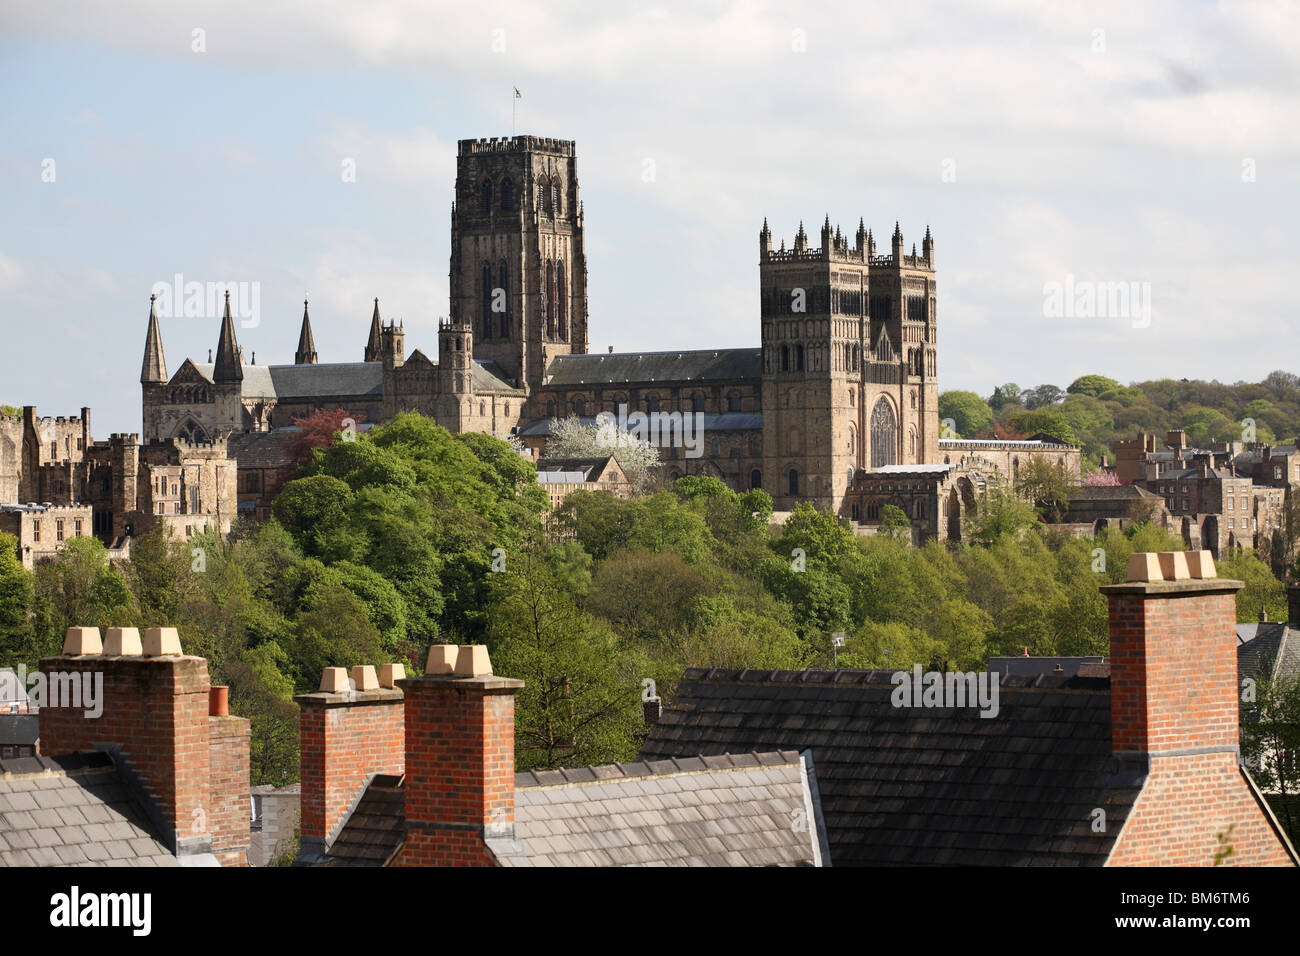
(837, 407)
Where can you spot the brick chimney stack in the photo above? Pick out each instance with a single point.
(351, 730)
(460, 759)
(152, 715)
(1174, 701)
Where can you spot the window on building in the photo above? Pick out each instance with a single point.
(36, 531)
(713, 448)
(697, 402)
(652, 403)
(58, 530)
(733, 401)
(506, 409)
(755, 479)
(852, 398)
(794, 482)
(76, 528)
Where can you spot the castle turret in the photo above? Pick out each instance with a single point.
(306, 354)
(375, 344)
(229, 366)
(801, 239)
(455, 356)
(154, 370)
(927, 248)
(392, 350)
(764, 240)
(827, 241)
(898, 244)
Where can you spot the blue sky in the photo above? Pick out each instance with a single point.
(1114, 157)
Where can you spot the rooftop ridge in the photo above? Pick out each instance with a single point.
(670, 767)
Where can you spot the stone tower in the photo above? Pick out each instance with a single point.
(518, 268)
(849, 369)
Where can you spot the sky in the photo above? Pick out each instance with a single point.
(1056, 150)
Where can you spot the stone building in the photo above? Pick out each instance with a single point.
(844, 383)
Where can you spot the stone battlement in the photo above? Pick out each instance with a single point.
(517, 144)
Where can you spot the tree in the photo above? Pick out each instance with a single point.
(15, 604)
(1000, 512)
(570, 438)
(580, 701)
(1003, 395)
(1041, 396)
(1048, 486)
(970, 413)
(1270, 739)
(1047, 422)
(1096, 386)
(894, 523)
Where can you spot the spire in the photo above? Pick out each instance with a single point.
(154, 370)
(228, 367)
(375, 346)
(306, 354)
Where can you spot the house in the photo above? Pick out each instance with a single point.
(1138, 768)
(562, 476)
(141, 763)
(420, 771)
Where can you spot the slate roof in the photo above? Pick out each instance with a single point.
(19, 730)
(263, 449)
(903, 786)
(739, 810)
(289, 382)
(1111, 493)
(1265, 649)
(73, 811)
(703, 365)
(755, 809)
(376, 828)
(486, 375)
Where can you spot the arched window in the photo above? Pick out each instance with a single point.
(755, 479)
(733, 401)
(550, 409)
(853, 440)
(549, 299)
(785, 358)
(884, 434)
(561, 301)
(652, 403)
(580, 406)
(503, 317)
(794, 482)
(507, 195)
(852, 398)
(485, 197)
(697, 402)
(482, 409)
(798, 358)
(557, 202)
(486, 306)
(543, 196)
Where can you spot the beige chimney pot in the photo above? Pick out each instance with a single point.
(122, 642)
(80, 641)
(162, 642)
(390, 674)
(442, 659)
(1173, 565)
(472, 661)
(1144, 566)
(363, 676)
(1200, 564)
(334, 680)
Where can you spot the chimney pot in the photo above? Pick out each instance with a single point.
(363, 676)
(82, 641)
(122, 642)
(219, 701)
(1200, 564)
(390, 674)
(162, 642)
(472, 661)
(334, 680)
(1173, 566)
(1144, 566)
(442, 659)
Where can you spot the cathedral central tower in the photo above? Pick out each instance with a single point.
(518, 268)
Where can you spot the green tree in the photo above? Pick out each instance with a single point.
(970, 414)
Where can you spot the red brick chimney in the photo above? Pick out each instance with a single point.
(1173, 696)
(152, 714)
(351, 730)
(460, 759)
